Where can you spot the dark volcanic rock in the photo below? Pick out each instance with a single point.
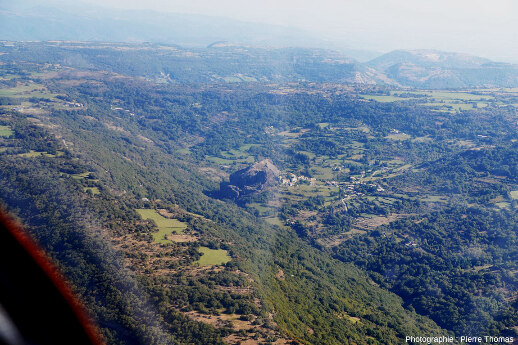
(250, 180)
(228, 191)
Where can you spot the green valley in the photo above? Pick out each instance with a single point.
(261, 208)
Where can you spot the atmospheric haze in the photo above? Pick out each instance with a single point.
(478, 27)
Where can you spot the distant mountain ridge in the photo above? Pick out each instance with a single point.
(175, 64)
(287, 54)
(428, 58)
(28, 20)
(438, 69)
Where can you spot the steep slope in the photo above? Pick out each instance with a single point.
(132, 155)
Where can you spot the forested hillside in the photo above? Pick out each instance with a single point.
(391, 212)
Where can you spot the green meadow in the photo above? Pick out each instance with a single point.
(166, 226)
(81, 175)
(398, 136)
(233, 156)
(94, 190)
(212, 257)
(6, 131)
(28, 90)
(33, 154)
(503, 205)
(382, 98)
(445, 101)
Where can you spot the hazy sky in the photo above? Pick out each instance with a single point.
(480, 27)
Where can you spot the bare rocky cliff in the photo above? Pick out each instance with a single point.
(253, 179)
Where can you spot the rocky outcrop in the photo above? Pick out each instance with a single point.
(253, 179)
